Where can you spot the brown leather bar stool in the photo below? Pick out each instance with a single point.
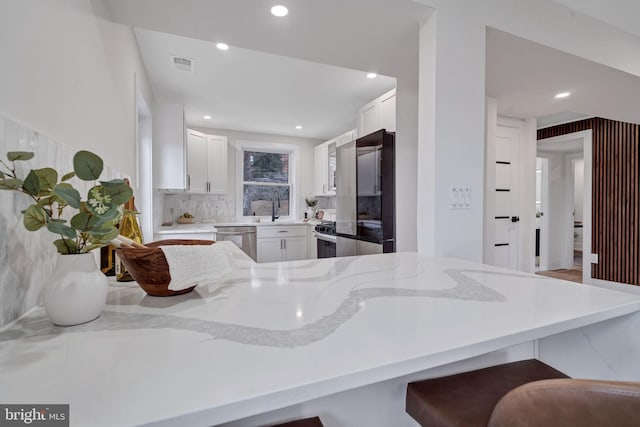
(569, 402)
(468, 399)
(307, 422)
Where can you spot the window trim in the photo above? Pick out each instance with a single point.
(267, 147)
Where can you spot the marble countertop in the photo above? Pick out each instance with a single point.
(272, 335)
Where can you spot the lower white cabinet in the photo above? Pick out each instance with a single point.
(282, 243)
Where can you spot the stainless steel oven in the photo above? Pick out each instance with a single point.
(325, 235)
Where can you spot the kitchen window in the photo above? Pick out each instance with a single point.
(265, 172)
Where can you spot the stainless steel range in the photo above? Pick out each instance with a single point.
(325, 234)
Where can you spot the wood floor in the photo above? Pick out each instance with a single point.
(572, 275)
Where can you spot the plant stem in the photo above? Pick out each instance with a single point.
(11, 171)
(65, 243)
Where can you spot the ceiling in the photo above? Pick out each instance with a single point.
(366, 35)
(381, 36)
(525, 76)
(252, 91)
(622, 14)
(566, 147)
(247, 89)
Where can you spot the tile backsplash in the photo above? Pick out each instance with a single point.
(27, 258)
(210, 207)
(204, 207)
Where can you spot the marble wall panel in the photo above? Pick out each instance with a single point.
(204, 207)
(27, 258)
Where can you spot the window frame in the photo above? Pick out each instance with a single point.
(266, 147)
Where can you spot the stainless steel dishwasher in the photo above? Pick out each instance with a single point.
(244, 237)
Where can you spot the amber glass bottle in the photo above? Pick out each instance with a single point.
(129, 228)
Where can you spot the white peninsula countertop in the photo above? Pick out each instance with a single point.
(273, 335)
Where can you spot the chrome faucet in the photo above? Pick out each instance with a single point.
(275, 196)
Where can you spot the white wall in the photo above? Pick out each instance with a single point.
(69, 72)
(406, 151)
(451, 132)
(305, 173)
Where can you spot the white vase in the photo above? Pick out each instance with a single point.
(77, 291)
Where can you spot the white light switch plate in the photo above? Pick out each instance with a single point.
(459, 198)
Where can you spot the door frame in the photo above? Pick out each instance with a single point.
(144, 162)
(587, 151)
(544, 226)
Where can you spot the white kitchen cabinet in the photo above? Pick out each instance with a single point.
(281, 243)
(270, 250)
(169, 147)
(347, 137)
(321, 169)
(197, 162)
(206, 163)
(218, 162)
(388, 111)
(325, 163)
(378, 114)
(369, 118)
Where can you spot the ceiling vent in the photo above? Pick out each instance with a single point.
(182, 64)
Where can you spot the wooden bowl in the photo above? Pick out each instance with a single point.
(149, 266)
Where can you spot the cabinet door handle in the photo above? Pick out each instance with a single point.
(285, 244)
(188, 182)
(281, 244)
(283, 231)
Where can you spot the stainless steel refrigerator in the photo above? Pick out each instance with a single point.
(365, 195)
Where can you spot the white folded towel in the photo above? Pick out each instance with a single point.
(196, 264)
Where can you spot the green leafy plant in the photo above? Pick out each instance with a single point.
(92, 226)
(311, 202)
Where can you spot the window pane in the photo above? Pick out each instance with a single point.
(266, 167)
(259, 199)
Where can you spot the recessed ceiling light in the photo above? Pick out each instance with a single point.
(279, 11)
(207, 117)
(562, 95)
(222, 46)
(298, 127)
(372, 75)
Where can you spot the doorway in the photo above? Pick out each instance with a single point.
(564, 218)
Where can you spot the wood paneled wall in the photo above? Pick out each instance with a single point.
(615, 196)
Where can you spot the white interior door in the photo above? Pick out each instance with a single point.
(506, 218)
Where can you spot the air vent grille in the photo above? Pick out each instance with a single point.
(182, 64)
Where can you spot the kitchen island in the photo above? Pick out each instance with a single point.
(336, 337)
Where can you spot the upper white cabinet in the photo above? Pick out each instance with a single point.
(206, 163)
(321, 169)
(378, 114)
(325, 164)
(169, 151)
(388, 111)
